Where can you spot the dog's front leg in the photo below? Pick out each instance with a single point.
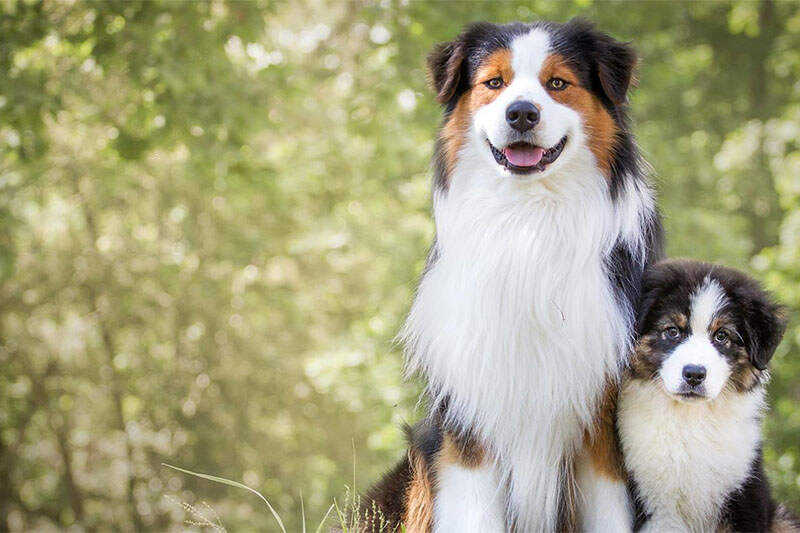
(469, 493)
(603, 501)
(602, 495)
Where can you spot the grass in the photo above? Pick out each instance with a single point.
(351, 518)
(198, 518)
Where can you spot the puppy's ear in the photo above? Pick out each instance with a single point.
(652, 282)
(646, 301)
(445, 68)
(765, 324)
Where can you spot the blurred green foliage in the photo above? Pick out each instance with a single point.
(213, 214)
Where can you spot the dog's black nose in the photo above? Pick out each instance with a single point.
(522, 116)
(694, 374)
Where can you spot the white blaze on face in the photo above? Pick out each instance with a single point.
(698, 349)
(529, 52)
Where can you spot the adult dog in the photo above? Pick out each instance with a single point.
(524, 315)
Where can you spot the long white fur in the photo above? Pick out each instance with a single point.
(687, 458)
(516, 322)
(469, 499)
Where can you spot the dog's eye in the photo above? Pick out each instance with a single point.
(494, 83)
(721, 336)
(556, 84)
(671, 333)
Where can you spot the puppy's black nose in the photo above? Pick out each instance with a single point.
(522, 116)
(694, 374)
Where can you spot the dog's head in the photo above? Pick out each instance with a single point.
(703, 329)
(528, 97)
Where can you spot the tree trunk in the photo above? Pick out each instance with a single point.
(109, 350)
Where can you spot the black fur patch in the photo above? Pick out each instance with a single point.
(640, 516)
(751, 508)
(626, 270)
(389, 494)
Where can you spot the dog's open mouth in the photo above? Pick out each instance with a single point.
(524, 158)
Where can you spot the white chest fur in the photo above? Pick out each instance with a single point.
(686, 458)
(516, 322)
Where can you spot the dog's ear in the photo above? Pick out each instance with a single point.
(614, 61)
(652, 282)
(646, 301)
(615, 64)
(765, 324)
(445, 68)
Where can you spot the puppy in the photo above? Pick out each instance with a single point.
(689, 413)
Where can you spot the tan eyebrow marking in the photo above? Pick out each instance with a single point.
(497, 64)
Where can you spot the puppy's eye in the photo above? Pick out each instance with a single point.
(721, 337)
(557, 84)
(672, 333)
(494, 83)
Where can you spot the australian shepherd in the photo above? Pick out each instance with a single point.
(690, 412)
(525, 312)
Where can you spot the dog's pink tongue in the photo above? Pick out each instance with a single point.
(523, 156)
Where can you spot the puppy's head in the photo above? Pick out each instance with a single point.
(703, 329)
(526, 98)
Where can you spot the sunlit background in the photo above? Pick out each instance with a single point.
(213, 214)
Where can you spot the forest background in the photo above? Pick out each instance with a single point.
(213, 216)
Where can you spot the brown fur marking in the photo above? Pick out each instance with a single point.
(465, 451)
(597, 122)
(744, 376)
(418, 517)
(645, 360)
(497, 64)
(602, 440)
(454, 131)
